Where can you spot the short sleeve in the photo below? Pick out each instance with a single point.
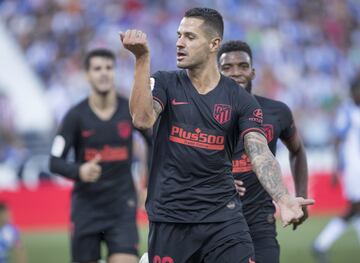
(250, 114)
(158, 87)
(288, 124)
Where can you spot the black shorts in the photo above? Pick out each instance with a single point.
(267, 250)
(226, 242)
(119, 233)
(262, 227)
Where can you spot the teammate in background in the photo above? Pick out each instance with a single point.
(10, 242)
(99, 129)
(347, 151)
(194, 212)
(236, 61)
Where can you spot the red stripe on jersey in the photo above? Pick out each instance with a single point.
(251, 130)
(159, 100)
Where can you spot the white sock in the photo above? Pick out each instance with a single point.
(333, 230)
(356, 224)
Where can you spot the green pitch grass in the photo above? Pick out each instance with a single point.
(52, 246)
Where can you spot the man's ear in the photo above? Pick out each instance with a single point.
(215, 44)
(253, 74)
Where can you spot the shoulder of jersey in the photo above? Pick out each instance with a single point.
(79, 106)
(165, 76)
(270, 102)
(230, 82)
(168, 73)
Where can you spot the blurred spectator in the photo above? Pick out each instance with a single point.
(9, 238)
(11, 148)
(313, 46)
(347, 150)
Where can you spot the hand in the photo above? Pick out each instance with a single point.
(302, 219)
(135, 41)
(239, 187)
(90, 171)
(291, 209)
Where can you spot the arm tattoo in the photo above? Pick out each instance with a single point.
(157, 109)
(264, 165)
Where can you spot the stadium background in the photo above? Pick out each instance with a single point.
(305, 54)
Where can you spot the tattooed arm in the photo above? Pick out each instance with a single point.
(265, 165)
(268, 172)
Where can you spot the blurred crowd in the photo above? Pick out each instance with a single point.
(305, 52)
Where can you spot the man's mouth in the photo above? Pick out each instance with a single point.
(180, 55)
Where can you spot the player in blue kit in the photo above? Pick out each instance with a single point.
(198, 114)
(235, 61)
(10, 242)
(347, 152)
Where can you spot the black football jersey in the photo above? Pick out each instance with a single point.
(84, 132)
(277, 123)
(194, 140)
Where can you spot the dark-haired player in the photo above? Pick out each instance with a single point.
(194, 212)
(235, 61)
(99, 130)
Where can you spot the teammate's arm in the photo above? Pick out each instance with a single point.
(299, 170)
(143, 109)
(268, 172)
(88, 172)
(62, 143)
(65, 140)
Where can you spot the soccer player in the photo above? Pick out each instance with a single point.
(9, 238)
(194, 210)
(347, 150)
(99, 130)
(236, 61)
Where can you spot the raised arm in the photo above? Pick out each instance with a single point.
(268, 172)
(144, 111)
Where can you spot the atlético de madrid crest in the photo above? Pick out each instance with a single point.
(124, 129)
(222, 113)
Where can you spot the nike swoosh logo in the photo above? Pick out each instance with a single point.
(87, 133)
(174, 102)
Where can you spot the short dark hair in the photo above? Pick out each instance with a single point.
(211, 17)
(234, 45)
(99, 52)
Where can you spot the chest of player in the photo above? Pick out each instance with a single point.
(113, 132)
(210, 111)
(111, 139)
